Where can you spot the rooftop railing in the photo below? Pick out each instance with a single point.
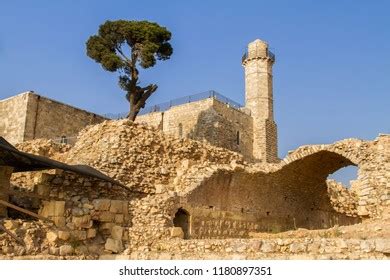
(180, 101)
(270, 54)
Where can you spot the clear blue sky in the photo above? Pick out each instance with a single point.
(331, 77)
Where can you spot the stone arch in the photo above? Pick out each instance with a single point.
(286, 196)
(182, 220)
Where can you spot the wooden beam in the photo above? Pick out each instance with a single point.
(17, 208)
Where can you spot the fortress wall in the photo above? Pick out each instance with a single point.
(47, 118)
(13, 118)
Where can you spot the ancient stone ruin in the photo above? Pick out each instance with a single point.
(199, 180)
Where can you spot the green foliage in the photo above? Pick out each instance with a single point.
(147, 40)
(123, 45)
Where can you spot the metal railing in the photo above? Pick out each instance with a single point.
(270, 54)
(180, 101)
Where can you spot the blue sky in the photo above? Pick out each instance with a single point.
(331, 77)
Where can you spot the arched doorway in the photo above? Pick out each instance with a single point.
(182, 219)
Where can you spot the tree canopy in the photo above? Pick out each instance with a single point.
(123, 46)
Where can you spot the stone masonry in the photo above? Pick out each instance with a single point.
(201, 180)
(30, 116)
(250, 130)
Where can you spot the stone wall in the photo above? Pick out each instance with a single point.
(209, 119)
(90, 216)
(294, 193)
(319, 248)
(30, 116)
(13, 118)
(47, 118)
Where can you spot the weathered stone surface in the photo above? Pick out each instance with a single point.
(82, 221)
(383, 245)
(117, 232)
(91, 233)
(63, 235)
(113, 245)
(102, 204)
(78, 234)
(177, 232)
(116, 206)
(66, 250)
(52, 236)
(53, 208)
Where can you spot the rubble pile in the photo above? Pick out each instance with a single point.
(139, 156)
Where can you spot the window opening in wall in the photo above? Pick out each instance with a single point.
(180, 130)
(238, 138)
(345, 175)
(64, 140)
(182, 219)
(268, 213)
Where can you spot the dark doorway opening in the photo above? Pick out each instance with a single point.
(182, 219)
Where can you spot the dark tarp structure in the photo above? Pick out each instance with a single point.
(21, 161)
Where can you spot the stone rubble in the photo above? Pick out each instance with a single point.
(94, 218)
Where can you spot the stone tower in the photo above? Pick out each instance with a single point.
(258, 63)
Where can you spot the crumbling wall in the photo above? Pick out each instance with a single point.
(89, 216)
(139, 156)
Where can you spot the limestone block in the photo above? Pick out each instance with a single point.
(119, 218)
(59, 221)
(66, 250)
(297, 248)
(102, 204)
(76, 211)
(382, 245)
(82, 221)
(54, 251)
(91, 233)
(106, 217)
(160, 188)
(63, 235)
(52, 236)
(177, 232)
(52, 208)
(116, 206)
(117, 232)
(81, 250)
(113, 245)
(42, 178)
(79, 234)
(268, 247)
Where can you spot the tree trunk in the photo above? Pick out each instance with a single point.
(136, 104)
(134, 110)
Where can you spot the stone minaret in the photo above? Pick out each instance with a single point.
(259, 100)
